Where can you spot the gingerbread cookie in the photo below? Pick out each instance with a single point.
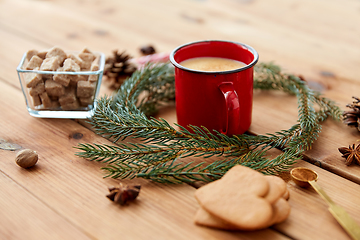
(243, 199)
(204, 218)
(243, 206)
(277, 188)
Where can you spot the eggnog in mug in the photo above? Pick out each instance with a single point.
(212, 64)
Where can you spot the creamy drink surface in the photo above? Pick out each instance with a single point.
(212, 64)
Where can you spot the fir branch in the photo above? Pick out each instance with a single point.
(181, 172)
(124, 115)
(171, 172)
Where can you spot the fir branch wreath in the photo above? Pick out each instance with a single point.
(156, 155)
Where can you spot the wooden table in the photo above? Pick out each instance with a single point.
(63, 197)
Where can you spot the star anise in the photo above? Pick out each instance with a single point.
(352, 154)
(123, 194)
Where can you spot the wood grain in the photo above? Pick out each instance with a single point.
(65, 196)
(22, 214)
(74, 187)
(339, 89)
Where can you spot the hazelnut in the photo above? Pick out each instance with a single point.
(26, 158)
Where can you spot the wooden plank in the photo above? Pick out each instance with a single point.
(308, 208)
(292, 31)
(25, 216)
(309, 211)
(325, 150)
(11, 55)
(289, 41)
(339, 89)
(74, 187)
(60, 168)
(301, 37)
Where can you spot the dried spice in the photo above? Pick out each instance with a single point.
(352, 154)
(352, 117)
(123, 194)
(26, 158)
(147, 50)
(118, 68)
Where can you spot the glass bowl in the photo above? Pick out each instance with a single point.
(61, 94)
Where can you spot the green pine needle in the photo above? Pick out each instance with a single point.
(128, 114)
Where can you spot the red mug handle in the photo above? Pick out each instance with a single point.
(232, 105)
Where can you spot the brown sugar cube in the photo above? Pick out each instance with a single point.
(71, 66)
(86, 101)
(95, 65)
(93, 78)
(85, 89)
(46, 101)
(30, 54)
(50, 64)
(42, 54)
(35, 62)
(36, 100)
(86, 50)
(54, 89)
(32, 79)
(54, 98)
(74, 79)
(38, 89)
(83, 77)
(47, 77)
(76, 58)
(87, 58)
(70, 106)
(55, 104)
(57, 52)
(62, 79)
(68, 97)
(85, 66)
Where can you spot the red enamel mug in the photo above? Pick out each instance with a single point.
(222, 100)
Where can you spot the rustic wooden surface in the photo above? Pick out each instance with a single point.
(63, 197)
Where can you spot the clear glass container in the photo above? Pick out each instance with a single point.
(46, 98)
